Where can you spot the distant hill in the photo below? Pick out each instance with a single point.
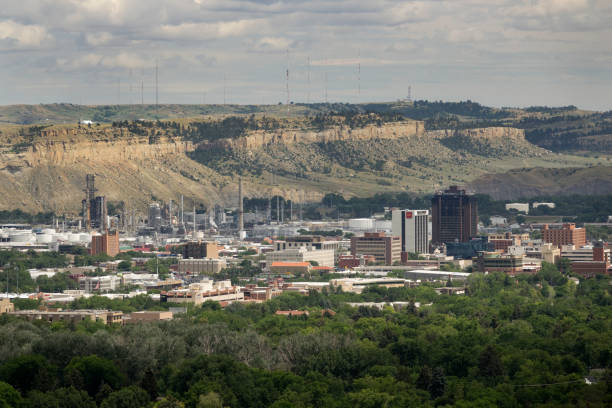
(560, 129)
(300, 156)
(525, 183)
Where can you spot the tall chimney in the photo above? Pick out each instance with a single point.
(240, 207)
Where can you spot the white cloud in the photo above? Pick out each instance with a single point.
(23, 36)
(197, 41)
(201, 31)
(99, 38)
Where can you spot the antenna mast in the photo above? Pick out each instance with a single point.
(287, 82)
(156, 88)
(358, 72)
(326, 87)
(308, 94)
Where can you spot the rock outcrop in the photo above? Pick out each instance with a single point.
(257, 139)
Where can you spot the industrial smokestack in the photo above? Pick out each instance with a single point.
(240, 207)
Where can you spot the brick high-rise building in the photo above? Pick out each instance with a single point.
(107, 243)
(382, 247)
(568, 234)
(454, 216)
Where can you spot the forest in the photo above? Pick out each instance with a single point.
(537, 341)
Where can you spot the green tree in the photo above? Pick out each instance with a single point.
(90, 372)
(9, 396)
(128, 397)
(29, 372)
(489, 364)
(210, 400)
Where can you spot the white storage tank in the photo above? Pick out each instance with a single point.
(22, 236)
(44, 238)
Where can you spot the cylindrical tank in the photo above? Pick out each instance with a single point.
(84, 237)
(21, 236)
(44, 238)
(48, 231)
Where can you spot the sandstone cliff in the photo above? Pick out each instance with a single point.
(44, 168)
(260, 138)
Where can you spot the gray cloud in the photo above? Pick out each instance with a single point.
(97, 51)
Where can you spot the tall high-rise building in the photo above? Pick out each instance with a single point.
(454, 216)
(411, 226)
(107, 243)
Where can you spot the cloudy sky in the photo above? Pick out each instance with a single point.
(497, 52)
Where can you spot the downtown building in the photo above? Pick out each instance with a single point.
(454, 216)
(412, 228)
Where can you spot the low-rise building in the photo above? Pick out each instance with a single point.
(204, 266)
(6, 306)
(311, 242)
(91, 284)
(353, 261)
(599, 264)
(549, 205)
(104, 316)
(290, 268)
(292, 313)
(383, 248)
(198, 293)
(357, 285)
(498, 262)
(568, 234)
(147, 316)
(577, 254)
(323, 257)
(520, 207)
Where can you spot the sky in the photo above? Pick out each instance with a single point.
(496, 52)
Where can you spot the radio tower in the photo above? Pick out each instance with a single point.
(308, 94)
(409, 99)
(287, 82)
(326, 87)
(358, 72)
(156, 87)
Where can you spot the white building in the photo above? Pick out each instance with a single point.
(413, 229)
(99, 283)
(323, 257)
(549, 205)
(520, 207)
(198, 293)
(498, 220)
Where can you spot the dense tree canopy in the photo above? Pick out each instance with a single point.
(512, 341)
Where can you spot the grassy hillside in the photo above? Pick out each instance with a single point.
(350, 152)
(534, 182)
(559, 129)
